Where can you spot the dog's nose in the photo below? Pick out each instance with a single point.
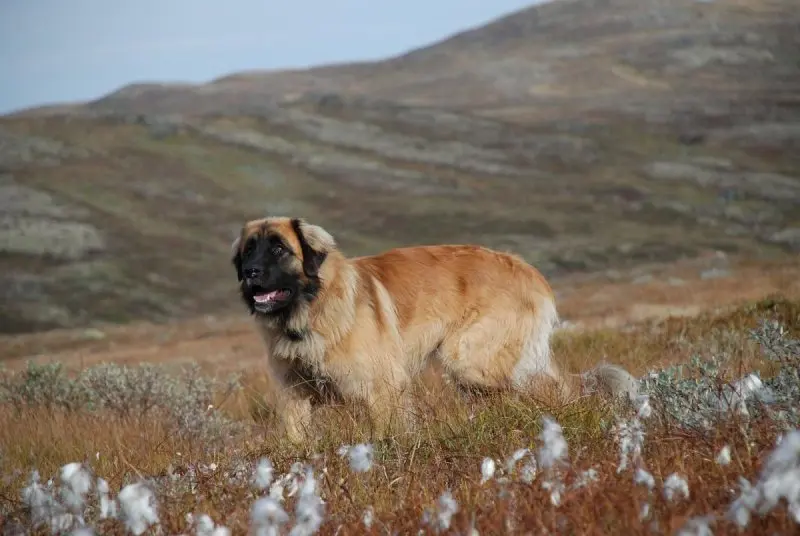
(252, 273)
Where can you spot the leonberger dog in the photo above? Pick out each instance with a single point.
(365, 327)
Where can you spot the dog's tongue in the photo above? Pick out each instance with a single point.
(268, 296)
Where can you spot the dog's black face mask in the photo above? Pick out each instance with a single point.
(267, 280)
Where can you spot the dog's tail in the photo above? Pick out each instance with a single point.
(610, 380)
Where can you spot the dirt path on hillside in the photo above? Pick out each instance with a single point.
(222, 345)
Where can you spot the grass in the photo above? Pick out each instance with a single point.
(206, 447)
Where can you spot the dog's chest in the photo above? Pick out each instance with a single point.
(306, 352)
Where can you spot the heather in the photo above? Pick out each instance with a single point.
(711, 446)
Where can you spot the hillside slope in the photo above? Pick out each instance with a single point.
(634, 150)
(557, 60)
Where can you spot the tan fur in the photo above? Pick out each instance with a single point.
(483, 316)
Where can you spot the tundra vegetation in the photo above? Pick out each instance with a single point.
(710, 446)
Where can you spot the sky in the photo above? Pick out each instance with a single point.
(54, 51)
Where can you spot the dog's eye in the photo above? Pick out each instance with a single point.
(277, 250)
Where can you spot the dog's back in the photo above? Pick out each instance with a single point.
(486, 315)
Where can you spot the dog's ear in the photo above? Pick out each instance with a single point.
(236, 257)
(315, 243)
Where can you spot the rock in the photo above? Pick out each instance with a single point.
(788, 237)
(93, 334)
(767, 186)
(714, 273)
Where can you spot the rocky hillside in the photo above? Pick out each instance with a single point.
(586, 135)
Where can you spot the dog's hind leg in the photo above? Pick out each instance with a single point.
(506, 352)
(479, 355)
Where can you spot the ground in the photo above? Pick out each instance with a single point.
(198, 451)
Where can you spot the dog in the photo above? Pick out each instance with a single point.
(363, 328)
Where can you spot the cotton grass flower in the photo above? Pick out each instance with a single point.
(488, 468)
(630, 435)
(442, 514)
(779, 479)
(75, 485)
(554, 447)
(697, 526)
(527, 473)
(108, 506)
(361, 457)
(267, 516)
(675, 485)
(368, 516)
(206, 527)
(552, 454)
(45, 509)
(516, 456)
(724, 456)
(585, 478)
(309, 510)
(740, 391)
(447, 508)
(138, 507)
(263, 474)
(643, 477)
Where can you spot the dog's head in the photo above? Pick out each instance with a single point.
(278, 261)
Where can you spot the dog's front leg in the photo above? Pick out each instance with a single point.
(296, 418)
(390, 405)
(292, 407)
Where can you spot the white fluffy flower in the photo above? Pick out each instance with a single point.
(263, 474)
(551, 454)
(528, 472)
(645, 410)
(642, 476)
(76, 482)
(44, 506)
(108, 506)
(515, 457)
(138, 507)
(697, 526)
(590, 475)
(309, 511)
(554, 446)
(206, 527)
(267, 516)
(674, 485)
(487, 470)
(779, 479)
(736, 395)
(630, 435)
(368, 517)
(447, 508)
(644, 511)
(361, 457)
(724, 456)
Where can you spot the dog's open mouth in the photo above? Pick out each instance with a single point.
(264, 297)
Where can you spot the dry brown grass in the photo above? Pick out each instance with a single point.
(457, 432)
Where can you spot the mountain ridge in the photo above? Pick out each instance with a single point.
(646, 138)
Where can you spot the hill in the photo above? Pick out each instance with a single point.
(589, 136)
